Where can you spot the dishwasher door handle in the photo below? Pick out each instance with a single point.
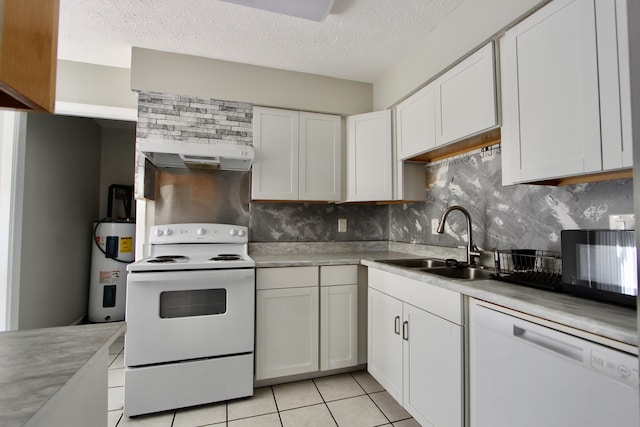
(565, 349)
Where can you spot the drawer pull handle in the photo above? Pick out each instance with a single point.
(396, 326)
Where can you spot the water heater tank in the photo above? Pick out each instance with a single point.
(112, 249)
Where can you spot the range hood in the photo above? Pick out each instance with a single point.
(176, 154)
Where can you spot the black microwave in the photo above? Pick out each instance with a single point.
(600, 264)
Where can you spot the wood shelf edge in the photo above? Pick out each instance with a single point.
(583, 179)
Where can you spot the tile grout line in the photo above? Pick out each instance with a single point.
(273, 393)
(370, 398)
(324, 401)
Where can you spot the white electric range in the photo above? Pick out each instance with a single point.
(190, 319)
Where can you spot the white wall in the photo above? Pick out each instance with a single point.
(12, 130)
(89, 90)
(61, 183)
(156, 71)
(117, 164)
(467, 27)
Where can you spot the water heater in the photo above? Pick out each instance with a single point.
(112, 251)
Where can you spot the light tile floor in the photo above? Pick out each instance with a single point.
(348, 400)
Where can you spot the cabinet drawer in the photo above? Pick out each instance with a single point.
(332, 275)
(286, 277)
(439, 301)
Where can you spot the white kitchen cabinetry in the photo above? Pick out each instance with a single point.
(338, 317)
(306, 320)
(416, 123)
(369, 157)
(564, 92)
(385, 342)
(459, 104)
(298, 155)
(286, 321)
(415, 347)
(466, 98)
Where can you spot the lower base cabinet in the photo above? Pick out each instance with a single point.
(306, 320)
(286, 332)
(417, 355)
(338, 326)
(432, 369)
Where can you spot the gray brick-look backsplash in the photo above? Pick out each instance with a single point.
(163, 116)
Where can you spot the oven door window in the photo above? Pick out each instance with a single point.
(192, 303)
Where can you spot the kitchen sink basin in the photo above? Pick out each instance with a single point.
(461, 273)
(418, 263)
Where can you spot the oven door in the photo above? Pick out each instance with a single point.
(183, 315)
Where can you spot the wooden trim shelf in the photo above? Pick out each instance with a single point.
(476, 142)
(582, 179)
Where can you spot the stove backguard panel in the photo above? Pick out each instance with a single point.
(209, 196)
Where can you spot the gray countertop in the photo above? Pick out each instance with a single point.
(607, 320)
(300, 259)
(35, 364)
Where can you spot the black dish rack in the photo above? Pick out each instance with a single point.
(529, 267)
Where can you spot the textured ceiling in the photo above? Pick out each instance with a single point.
(359, 40)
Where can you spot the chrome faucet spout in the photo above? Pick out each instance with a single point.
(472, 250)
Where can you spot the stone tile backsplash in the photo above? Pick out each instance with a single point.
(164, 116)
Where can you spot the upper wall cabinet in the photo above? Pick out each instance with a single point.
(28, 54)
(298, 156)
(371, 176)
(459, 104)
(416, 123)
(466, 98)
(369, 160)
(565, 91)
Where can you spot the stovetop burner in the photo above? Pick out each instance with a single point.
(226, 257)
(163, 259)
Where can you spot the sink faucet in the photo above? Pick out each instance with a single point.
(472, 250)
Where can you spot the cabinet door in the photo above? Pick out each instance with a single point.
(369, 176)
(416, 124)
(466, 98)
(286, 332)
(433, 384)
(28, 54)
(615, 91)
(275, 140)
(551, 118)
(320, 166)
(338, 326)
(385, 342)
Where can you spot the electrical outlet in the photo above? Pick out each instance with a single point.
(622, 222)
(434, 225)
(342, 225)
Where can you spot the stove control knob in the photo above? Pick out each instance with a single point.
(168, 232)
(158, 232)
(201, 231)
(232, 232)
(240, 233)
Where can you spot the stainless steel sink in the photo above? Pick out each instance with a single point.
(461, 273)
(418, 263)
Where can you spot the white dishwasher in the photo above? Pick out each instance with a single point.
(526, 375)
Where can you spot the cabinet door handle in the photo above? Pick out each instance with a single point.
(405, 330)
(396, 326)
